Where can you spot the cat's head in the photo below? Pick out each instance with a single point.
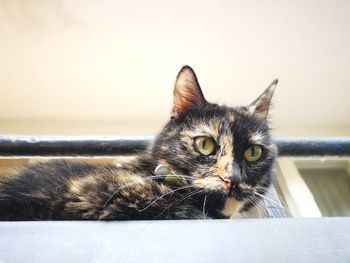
(224, 152)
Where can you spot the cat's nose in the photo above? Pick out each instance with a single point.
(235, 179)
(232, 180)
(235, 175)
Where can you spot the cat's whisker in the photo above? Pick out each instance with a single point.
(204, 202)
(269, 199)
(280, 198)
(243, 215)
(119, 189)
(261, 210)
(165, 175)
(260, 204)
(188, 196)
(160, 197)
(178, 201)
(260, 207)
(140, 181)
(257, 203)
(259, 187)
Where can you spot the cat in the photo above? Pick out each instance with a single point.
(209, 161)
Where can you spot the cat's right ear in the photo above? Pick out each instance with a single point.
(260, 106)
(187, 92)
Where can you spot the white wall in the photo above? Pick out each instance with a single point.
(109, 66)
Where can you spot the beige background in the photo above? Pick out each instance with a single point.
(108, 67)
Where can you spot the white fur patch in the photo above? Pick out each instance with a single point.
(257, 138)
(231, 207)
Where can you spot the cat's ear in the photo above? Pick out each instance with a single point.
(187, 92)
(260, 106)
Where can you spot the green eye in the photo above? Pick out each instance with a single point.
(204, 145)
(253, 153)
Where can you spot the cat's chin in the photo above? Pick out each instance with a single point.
(231, 207)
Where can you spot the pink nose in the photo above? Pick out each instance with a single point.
(228, 181)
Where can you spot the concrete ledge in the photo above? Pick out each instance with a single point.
(249, 240)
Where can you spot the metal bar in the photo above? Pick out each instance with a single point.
(19, 145)
(13, 145)
(313, 146)
(247, 240)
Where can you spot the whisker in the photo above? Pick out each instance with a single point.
(119, 189)
(204, 202)
(269, 199)
(260, 208)
(257, 203)
(178, 201)
(160, 197)
(280, 198)
(165, 175)
(140, 180)
(188, 196)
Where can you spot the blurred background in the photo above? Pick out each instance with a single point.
(108, 67)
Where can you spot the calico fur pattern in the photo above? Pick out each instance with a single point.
(71, 190)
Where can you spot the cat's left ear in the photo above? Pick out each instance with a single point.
(187, 92)
(260, 106)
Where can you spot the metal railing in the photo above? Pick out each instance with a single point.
(22, 145)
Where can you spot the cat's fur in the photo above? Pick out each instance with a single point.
(216, 186)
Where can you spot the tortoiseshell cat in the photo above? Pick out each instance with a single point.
(209, 161)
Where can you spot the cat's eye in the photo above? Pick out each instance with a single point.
(253, 153)
(204, 145)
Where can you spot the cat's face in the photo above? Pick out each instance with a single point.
(226, 153)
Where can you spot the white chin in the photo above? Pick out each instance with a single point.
(231, 207)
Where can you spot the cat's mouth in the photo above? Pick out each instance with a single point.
(218, 186)
(238, 191)
(227, 183)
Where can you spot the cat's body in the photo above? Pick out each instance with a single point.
(219, 160)
(70, 190)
